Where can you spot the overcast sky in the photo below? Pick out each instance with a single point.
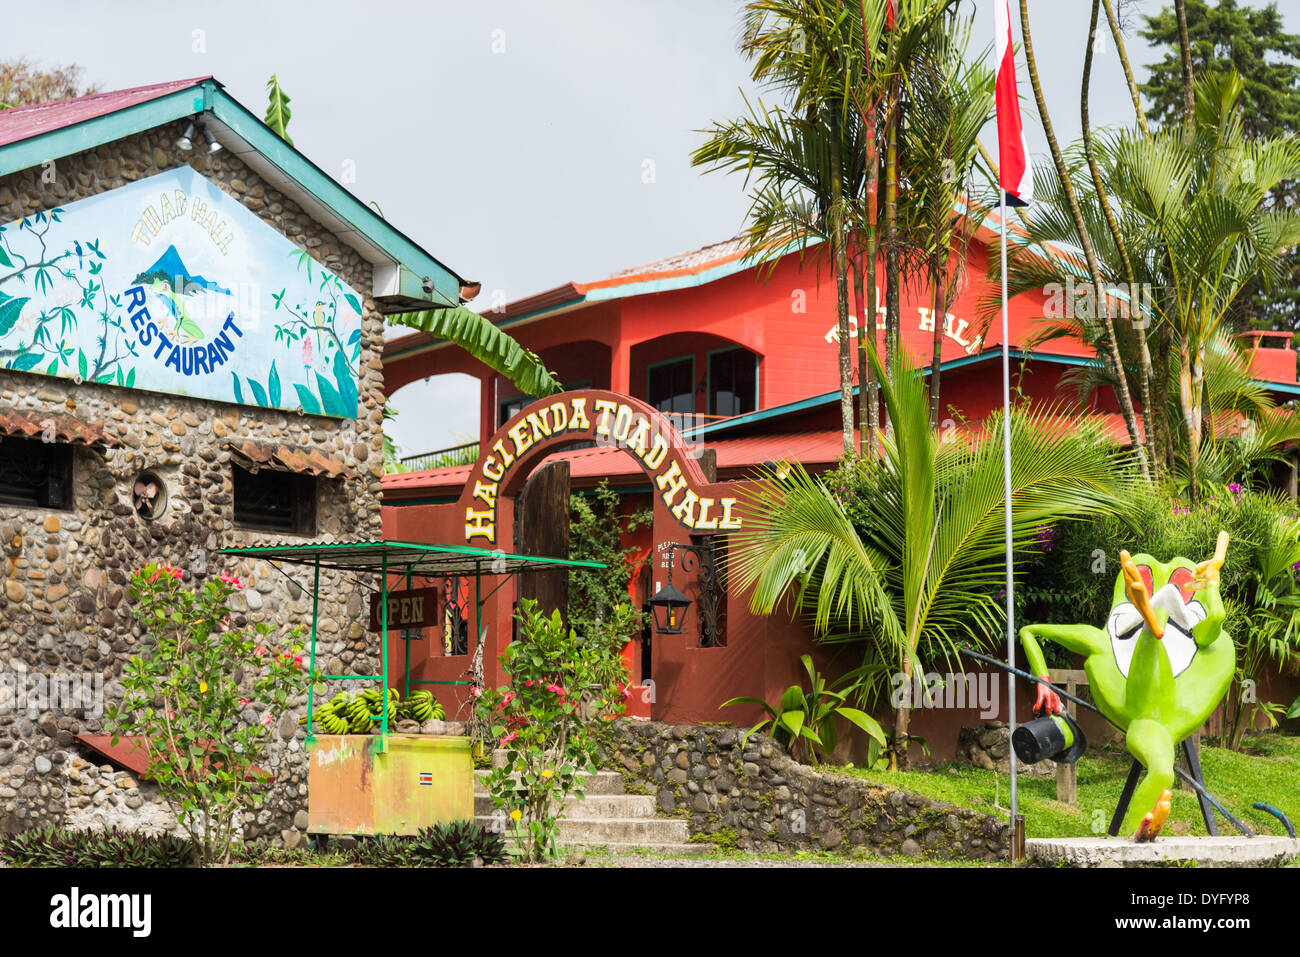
(510, 138)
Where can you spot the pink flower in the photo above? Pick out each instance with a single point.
(476, 692)
(243, 702)
(528, 684)
(507, 739)
(510, 696)
(266, 720)
(225, 624)
(556, 689)
(230, 579)
(627, 691)
(260, 650)
(297, 661)
(171, 715)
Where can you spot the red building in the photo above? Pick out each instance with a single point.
(748, 363)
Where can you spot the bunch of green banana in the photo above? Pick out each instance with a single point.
(331, 718)
(422, 707)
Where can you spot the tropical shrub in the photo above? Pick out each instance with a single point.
(563, 692)
(805, 721)
(68, 847)
(204, 697)
(456, 844)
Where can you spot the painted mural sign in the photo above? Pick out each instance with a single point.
(607, 419)
(169, 285)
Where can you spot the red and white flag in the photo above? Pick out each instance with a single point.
(1017, 177)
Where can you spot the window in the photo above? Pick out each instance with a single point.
(671, 385)
(35, 474)
(269, 500)
(733, 382)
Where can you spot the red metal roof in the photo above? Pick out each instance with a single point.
(24, 122)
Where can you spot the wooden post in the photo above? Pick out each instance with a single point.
(1067, 775)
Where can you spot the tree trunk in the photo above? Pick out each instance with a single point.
(891, 232)
(868, 392)
(1128, 67)
(936, 359)
(1185, 48)
(1135, 298)
(903, 720)
(840, 253)
(1072, 200)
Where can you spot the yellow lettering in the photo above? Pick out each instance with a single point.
(578, 419)
(685, 510)
(728, 520)
(480, 524)
(671, 482)
(658, 450)
(523, 441)
(704, 521)
(622, 423)
(605, 407)
(179, 201)
(506, 457)
(559, 417)
(636, 444)
(492, 469)
(486, 492)
(540, 429)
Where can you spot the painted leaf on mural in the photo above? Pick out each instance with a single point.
(10, 309)
(308, 400)
(170, 285)
(273, 386)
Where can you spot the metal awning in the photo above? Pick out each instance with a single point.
(285, 458)
(406, 558)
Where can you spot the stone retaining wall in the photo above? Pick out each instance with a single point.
(757, 798)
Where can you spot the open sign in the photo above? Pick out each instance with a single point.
(413, 608)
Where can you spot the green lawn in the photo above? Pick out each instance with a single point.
(1267, 770)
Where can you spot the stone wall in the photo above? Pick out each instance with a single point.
(757, 798)
(64, 606)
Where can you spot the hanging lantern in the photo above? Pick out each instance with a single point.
(668, 605)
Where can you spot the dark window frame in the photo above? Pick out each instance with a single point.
(525, 400)
(303, 490)
(709, 396)
(55, 493)
(649, 372)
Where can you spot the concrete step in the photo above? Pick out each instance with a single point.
(595, 805)
(624, 848)
(602, 782)
(638, 832)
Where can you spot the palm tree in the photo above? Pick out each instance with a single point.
(913, 564)
(805, 158)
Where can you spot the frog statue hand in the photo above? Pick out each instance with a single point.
(1159, 667)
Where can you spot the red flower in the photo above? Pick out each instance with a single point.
(507, 739)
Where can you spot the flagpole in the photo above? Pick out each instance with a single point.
(1006, 490)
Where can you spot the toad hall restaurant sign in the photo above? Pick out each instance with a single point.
(682, 495)
(168, 284)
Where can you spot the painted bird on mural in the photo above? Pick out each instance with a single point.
(318, 320)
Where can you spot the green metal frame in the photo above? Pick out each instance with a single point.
(373, 557)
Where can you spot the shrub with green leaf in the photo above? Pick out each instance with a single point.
(563, 692)
(68, 847)
(204, 697)
(804, 721)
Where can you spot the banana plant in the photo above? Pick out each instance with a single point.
(805, 721)
(277, 109)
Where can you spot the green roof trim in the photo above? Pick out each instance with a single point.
(208, 96)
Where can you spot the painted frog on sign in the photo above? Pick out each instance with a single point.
(1159, 667)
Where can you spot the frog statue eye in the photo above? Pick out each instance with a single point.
(1183, 579)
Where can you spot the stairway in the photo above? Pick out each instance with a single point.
(607, 817)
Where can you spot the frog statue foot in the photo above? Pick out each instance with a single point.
(1154, 819)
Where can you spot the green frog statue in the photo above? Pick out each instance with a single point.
(1158, 669)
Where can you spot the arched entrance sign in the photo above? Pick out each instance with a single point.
(683, 495)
